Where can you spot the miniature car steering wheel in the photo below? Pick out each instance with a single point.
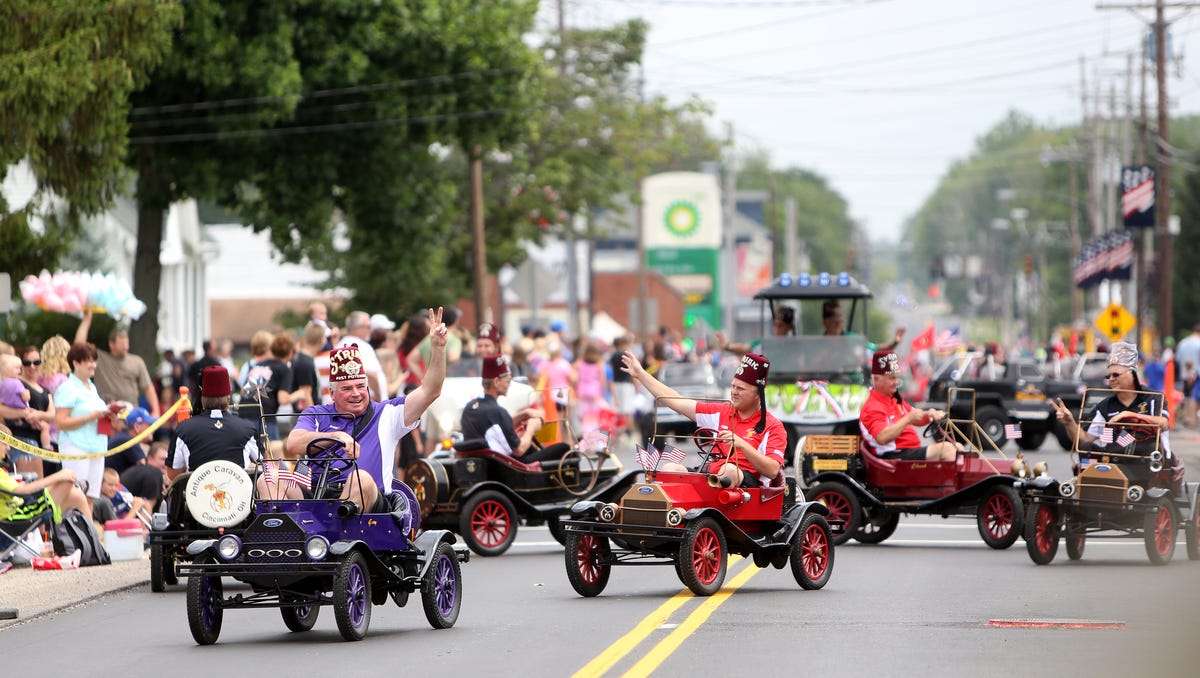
(706, 441)
(1142, 430)
(323, 454)
(936, 430)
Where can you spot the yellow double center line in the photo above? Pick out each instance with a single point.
(663, 649)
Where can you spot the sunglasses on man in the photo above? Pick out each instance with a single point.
(30, 363)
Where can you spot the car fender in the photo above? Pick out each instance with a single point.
(794, 515)
(1157, 492)
(732, 531)
(864, 495)
(428, 542)
(586, 509)
(971, 494)
(200, 546)
(520, 504)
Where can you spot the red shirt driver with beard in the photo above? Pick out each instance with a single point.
(889, 424)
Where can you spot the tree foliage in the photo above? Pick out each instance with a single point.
(67, 70)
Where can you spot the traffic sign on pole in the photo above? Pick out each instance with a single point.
(1115, 321)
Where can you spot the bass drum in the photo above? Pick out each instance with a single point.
(429, 483)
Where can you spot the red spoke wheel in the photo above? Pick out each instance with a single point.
(587, 559)
(1075, 536)
(703, 557)
(812, 552)
(843, 506)
(1041, 533)
(999, 517)
(488, 523)
(1159, 532)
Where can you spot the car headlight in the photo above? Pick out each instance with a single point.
(674, 517)
(608, 513)
(1066, 489)
(1135, 493)
(1156, 458)
(229, 546)
(317, 547)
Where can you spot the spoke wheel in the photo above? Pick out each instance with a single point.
(1076, 538)
(489, 523)
(843, 505)
(703, 557)
(877, 526)
(1159, 532)
(999, 517)
(441, 589)
(300, 618)
(812, 553)
(352, 597)
(204, 598)
(587, 560)
(1041, 533)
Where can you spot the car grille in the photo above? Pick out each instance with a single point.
(1103, 489)
(263, 544)
(654, 518)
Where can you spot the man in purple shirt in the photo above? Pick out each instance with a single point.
(369, 430)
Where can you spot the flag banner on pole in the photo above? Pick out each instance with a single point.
(1106, 436)
(1012, 431)
(1125, 439)
(647, 459)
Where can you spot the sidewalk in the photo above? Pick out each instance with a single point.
(34, 593)
(38, 593)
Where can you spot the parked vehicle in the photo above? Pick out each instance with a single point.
(1015, 392)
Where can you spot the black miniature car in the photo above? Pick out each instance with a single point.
(483, 494)
(1114, 494)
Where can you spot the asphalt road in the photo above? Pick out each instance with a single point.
(923, 603)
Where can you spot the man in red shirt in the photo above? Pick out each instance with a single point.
(889, 424)
(757, 438)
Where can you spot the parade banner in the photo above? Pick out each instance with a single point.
(1137, 196)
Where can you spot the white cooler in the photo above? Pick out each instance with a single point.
(124, 539)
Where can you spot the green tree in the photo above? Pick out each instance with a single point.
(67, 70)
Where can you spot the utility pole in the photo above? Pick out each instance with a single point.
(1162, 169)
(572, 259)
(483, 309)
(729, 256)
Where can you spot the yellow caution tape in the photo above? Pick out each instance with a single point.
(55, 456)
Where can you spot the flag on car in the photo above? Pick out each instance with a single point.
(1012, 431)
(646, 458)
(274, 472)
(1125, 439)
(595, 440)
(1106, 436)
(672, 453)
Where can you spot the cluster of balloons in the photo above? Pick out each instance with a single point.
(74, 292)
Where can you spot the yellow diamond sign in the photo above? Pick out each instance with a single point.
(1115, 321)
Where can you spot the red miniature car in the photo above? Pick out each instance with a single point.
(690, 521)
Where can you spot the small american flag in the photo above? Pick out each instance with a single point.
(672, 453)
(1125, 439)
(647, 459)
(1012, 431)
(274, 474)
(594, 441)
(1106, 436)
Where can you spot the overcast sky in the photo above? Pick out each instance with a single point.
(880, 97)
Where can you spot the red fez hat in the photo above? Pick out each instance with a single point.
(345, 364)
(489, 331)
(494, 366)
(753, 369)
(885, 363)
(214, 382)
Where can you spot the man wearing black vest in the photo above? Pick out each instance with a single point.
(213, 433)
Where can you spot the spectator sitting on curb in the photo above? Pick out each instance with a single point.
(116, 502)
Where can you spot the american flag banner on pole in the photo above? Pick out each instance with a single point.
(595, 440)
(949, 340)
(1125, 439)
(1106, 436)
(1012, 431)
(672, 453)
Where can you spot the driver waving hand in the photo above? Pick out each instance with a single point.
(757, 439)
